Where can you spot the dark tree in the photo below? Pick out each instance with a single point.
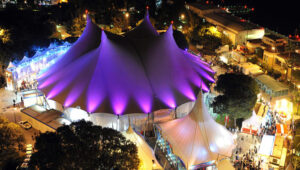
(82, 145)
(238, 95)
(180, 40)
(11, 139)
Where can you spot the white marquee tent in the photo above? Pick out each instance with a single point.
(252, 122)
(145, 153)
(197, 138)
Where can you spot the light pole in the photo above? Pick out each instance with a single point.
(127, 19)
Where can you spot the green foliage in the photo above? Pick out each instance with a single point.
(82, 145)
(238, 95)
(10, 139)
(77, 26)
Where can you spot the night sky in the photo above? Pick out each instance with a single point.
(282, 16)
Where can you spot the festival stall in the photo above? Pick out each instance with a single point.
(266, 145)
(281, 129)
(277, 159)
(251, 125)
(284, 108)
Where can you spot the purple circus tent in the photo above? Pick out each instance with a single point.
(140, 71)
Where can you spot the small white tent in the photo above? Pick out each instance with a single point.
(253, 122)
(10, 65)
(145, 152)
(197, 138)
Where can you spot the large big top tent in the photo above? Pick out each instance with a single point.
(140, 71)
(197, 138)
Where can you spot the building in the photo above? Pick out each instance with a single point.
(272, 87)
(274, 40)
(22, 74)
(238, 30)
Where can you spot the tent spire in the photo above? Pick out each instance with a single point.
(129, 130)
(170, 29)
(147, 13)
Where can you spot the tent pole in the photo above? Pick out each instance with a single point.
(118, 123)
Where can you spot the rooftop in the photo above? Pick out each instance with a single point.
(203, 6)
(47, 117)
(232, 22)
(292, 57)
(271, 83)
(273, 37)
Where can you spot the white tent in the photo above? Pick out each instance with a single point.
(24, 60)
(253, 122)
(184, 109)
(10, 65)
(197, 138)
(266, 145)
(145, 152)
(76, 114)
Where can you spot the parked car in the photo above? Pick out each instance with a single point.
(25, 124)
(24, 166)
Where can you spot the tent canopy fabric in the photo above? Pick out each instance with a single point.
(11, 65)
(253, 122)
(138, 72)
(197, 138)
(145, 153)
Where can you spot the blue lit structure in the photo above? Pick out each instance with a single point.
(23, 74)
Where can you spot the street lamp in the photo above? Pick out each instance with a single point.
(182, 16)
(126, 14)
(127, 19)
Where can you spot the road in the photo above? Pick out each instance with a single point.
(13, 114)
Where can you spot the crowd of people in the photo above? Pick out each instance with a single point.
(249, 158)
(269, 127)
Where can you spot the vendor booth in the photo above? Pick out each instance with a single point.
(251, 125)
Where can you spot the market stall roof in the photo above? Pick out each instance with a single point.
(138, 72)
(197, 138)
(266, 145)
(145, 152)
(253, 121)
(271, 83)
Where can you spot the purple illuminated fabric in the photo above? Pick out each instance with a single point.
(140, 71)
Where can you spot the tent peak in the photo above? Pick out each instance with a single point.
(170, 30)
(199, 104)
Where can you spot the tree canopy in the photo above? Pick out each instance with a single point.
(83, 145)
(238, 95)
(10, 139)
